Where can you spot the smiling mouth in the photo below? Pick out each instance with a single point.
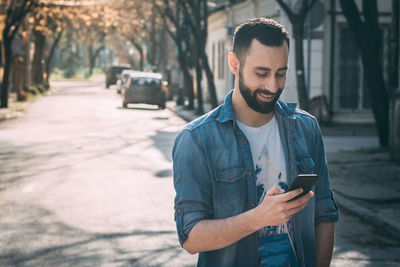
(266, 96)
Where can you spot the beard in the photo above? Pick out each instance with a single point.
(251, 97)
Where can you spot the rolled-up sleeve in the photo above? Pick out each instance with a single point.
(192, 182)
(325, 206)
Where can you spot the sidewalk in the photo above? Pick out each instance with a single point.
(365, 182)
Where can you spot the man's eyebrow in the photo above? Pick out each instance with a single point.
(268, 69)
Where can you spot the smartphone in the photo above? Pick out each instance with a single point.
(305, 181)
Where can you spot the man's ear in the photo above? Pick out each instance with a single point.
(234, 63)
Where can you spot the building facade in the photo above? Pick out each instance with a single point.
(332, 60)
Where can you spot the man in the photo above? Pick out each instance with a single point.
(18, 64)
(232, 166)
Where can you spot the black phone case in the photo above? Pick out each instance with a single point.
(305, 181)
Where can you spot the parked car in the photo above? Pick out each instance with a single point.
(123, 78)
(112, 73)
(144, 87)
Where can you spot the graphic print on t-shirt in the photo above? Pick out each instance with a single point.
(269, 163)
(268, 175)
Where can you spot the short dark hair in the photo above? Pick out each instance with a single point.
(266, 31)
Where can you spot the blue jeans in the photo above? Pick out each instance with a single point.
(276, 250)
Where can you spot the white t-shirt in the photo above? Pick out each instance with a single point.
(269, 163)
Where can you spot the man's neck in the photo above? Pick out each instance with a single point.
(247, 115)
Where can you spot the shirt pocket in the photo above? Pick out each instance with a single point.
(230, 191)
(305, 165)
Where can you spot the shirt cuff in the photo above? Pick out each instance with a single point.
(185, 221)
(326, 210)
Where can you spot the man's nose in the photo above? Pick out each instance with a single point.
(271, 85)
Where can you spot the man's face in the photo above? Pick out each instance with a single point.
(262, 75)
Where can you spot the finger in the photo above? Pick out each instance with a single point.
(275, 190)
(300, 202)
(291, 194)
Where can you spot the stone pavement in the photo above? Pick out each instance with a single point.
(365, 181)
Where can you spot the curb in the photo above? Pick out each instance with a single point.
(365, 214)
(7, 115)
(188, 118)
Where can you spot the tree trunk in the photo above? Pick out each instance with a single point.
(299, 62)
(37, 65)
(90, 55)
(188, 82)
(378, 97)
(366, 35)
(51, 54)
(140, 50)
(210, 81)
(6, 71)
(92, 58)
(200, 108)
(153, 44)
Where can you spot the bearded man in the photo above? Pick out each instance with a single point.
(233, 165)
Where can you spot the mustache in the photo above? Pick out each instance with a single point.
(264, 91)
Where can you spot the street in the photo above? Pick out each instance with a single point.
(85, 182)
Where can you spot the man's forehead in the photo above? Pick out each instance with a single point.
(261, 56)
(258, 46)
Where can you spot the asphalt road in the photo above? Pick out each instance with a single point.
(85, 182)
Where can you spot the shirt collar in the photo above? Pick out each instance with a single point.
(227, 113)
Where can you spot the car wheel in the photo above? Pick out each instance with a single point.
(124, 104)
(107, 85)
(161, 106)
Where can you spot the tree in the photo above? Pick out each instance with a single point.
(298, 21)
(90, 29)
(366, 34)
(196, 13)
(136, 22)
(15, 14)
(172, 16)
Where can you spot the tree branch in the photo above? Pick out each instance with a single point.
(288, 11)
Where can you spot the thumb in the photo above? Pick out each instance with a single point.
(275, 190)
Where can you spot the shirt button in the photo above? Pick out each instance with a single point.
(304, 166)
(245, 142)
(253, 205)
(231, 176)
(252, 237)
(179, 211)
(249, 173)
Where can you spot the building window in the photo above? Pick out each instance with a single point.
(221, 60)
(352, 87)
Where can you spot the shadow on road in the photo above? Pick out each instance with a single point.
(50, 242)
(162, 141)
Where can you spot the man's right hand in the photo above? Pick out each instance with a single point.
(276, 208)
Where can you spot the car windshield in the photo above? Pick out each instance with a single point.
(118, 69)
(145, 81)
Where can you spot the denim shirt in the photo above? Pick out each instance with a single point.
(214, 178)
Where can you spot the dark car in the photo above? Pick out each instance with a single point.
(123, 78)
(144, 87)
(112, 74)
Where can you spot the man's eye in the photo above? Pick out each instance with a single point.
(261, 74)
(281, 75)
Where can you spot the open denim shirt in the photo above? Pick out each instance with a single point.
(214, 178)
